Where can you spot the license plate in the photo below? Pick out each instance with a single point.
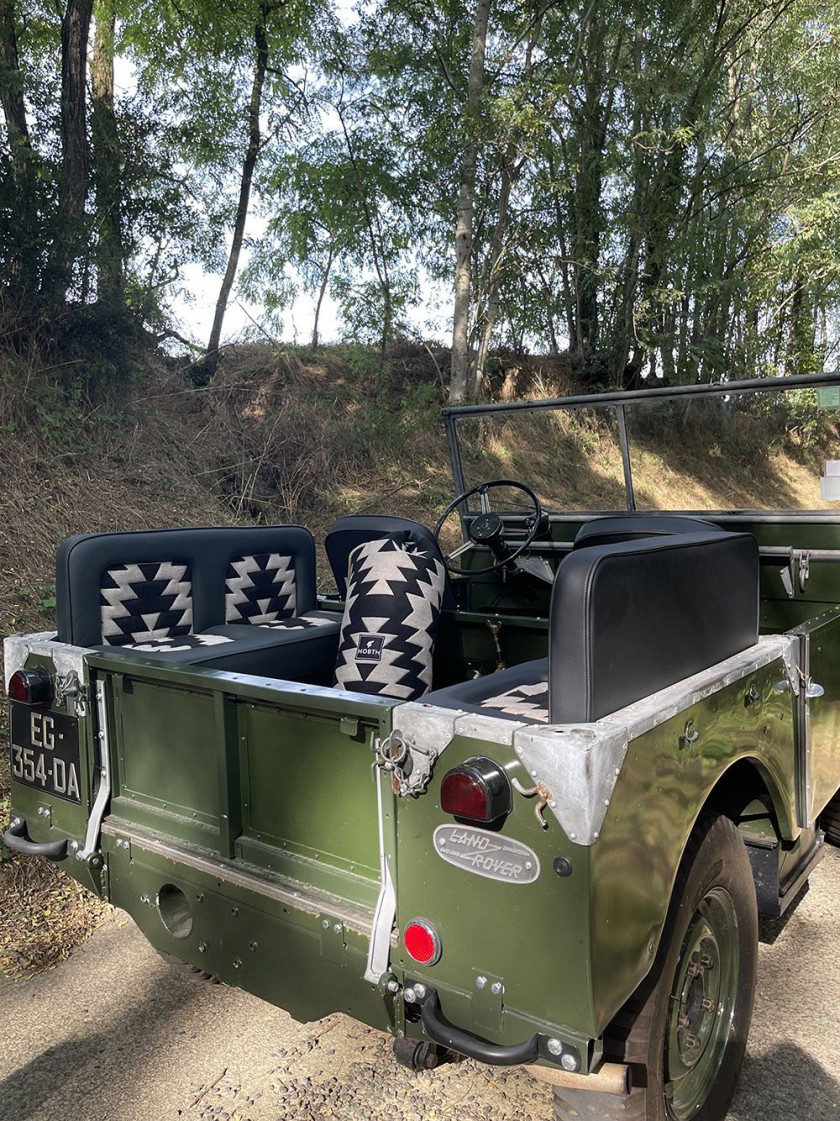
(45, 751)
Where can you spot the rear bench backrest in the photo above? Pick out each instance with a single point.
(111, 588)
(632, 617)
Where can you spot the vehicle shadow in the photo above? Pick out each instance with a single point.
(770, 929)
(786, 1084)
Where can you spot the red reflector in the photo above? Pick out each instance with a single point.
(464, 795)
(31, 686)
(422, 942)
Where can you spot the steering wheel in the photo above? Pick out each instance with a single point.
(488, 529)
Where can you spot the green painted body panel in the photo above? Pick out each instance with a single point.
(271, 948)
(824, 710)
(532, 937)
(308, 791)
(661, 790)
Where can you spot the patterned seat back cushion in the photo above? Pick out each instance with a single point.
(390, 619)
(145, 602)
(260, 589)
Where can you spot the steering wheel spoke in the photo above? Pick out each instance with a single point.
(459, 552)
(488, 530)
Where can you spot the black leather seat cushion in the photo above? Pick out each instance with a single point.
(633, 527)
(299, 649)
(354, 529)
(518, 693)
(632, 617)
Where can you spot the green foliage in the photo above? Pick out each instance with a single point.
(656, 184)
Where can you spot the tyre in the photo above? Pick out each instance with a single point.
(830, 820)
(685, 1031)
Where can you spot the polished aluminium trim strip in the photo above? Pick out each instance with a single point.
(580, 763)
(379, 952)
(103, 794)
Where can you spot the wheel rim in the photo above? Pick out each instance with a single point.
(702, 1005)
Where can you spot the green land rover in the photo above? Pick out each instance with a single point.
(520, 792)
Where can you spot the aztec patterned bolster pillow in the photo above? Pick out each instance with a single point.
(391, 615)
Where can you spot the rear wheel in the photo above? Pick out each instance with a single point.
(830, 820)
(685, 1031)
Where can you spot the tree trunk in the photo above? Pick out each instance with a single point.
(23, 157)
(211, 358)
(106, 159)
(73, 180)
(461, 381)
(322, 291)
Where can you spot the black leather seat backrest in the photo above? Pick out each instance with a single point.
(354, 529)
(201, 558)
(634, 527)
(632, 617)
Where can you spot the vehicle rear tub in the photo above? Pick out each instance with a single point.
(243, 835)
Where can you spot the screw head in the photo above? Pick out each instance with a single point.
(202, 947)
(495, 988)
(480, 982)
(237, 963)
(337, 928)
(420, 991)
(325, 923)
(409, 996)
(562, 866)
(568, 1061)
(554, 1047)
(393, 986)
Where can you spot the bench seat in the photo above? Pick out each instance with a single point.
(240, 599)
(627, 619)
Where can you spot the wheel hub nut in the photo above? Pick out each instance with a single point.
(692, 1041)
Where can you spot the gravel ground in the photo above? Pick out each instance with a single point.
(114, 1034)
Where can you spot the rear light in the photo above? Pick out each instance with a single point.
(478, 790)
(31, 686)
(422, 942)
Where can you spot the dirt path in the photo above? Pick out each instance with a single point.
(114, 1034)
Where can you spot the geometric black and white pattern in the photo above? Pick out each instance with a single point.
(301, 623)
(184, 642)
(391, 614)
(260, 589)
(530, 701)
(144, 602)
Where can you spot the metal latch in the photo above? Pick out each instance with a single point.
(409, 764)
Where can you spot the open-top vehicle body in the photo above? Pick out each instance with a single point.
(521, 796)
